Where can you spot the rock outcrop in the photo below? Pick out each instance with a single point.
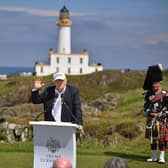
(107, 101)
(27, 111)
(12, 132)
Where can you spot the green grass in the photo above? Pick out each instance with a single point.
(16, 160)
(3, 87)
(20, 155)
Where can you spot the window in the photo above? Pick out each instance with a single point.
(81, 71)
(69, 60)
(57, 60)
(57, 69)
(69, 70)
(81, 60)
(41, 69)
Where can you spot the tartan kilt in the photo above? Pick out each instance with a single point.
(159, 131)
(163, 130)
(155, 131)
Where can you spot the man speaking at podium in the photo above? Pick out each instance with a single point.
(61, 101)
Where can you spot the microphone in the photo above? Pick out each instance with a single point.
(38, 116)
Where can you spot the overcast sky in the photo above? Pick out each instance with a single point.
(118, 33)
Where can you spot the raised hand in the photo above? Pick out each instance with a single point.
(38, 84)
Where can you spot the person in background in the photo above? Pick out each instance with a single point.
(62, 163)
(116, 162)
(156, 111)
(61, 101)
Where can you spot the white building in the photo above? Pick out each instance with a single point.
(25, 73)
(3, 76)
(63, 60)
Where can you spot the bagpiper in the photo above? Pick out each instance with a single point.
(156, 111)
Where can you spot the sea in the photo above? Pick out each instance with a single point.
(15, 70)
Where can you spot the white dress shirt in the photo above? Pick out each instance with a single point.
(57, 107)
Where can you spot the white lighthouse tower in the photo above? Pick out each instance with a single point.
(63, 60)
(64, 32)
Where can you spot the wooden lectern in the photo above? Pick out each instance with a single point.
(53, 140)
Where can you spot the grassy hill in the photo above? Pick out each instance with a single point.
(91, 86)
(15, 94)
(123, 119)
(116, 131)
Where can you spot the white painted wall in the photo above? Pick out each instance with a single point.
(75, 65)
(64, 39)
(60, 63)
(42, 70)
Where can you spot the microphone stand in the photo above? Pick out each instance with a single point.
(78, 133)
(69, 110)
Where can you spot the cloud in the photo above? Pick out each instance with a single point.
(40, 12)
(158, 45)
(161, 36)
(157, 41)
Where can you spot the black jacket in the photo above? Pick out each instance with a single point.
(71, 106)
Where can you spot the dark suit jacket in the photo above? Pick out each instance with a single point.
(71, 106)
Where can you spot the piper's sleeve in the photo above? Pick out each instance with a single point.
(147, 105)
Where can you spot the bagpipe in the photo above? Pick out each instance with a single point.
(156, 122)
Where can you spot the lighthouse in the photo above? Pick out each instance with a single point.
(64, 32)
(63, 60)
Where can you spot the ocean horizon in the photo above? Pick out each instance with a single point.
(15, 70)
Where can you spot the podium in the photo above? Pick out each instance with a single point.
(53, 140)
